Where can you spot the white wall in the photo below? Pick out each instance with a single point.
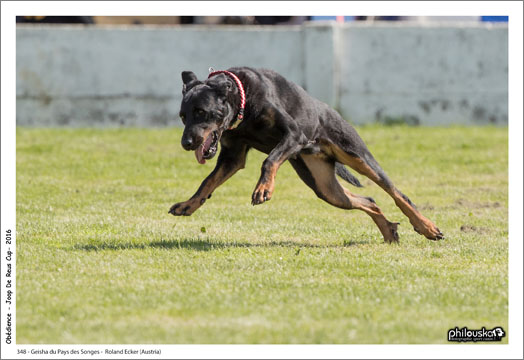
(112, 76)
(84, 76)
(445, 75)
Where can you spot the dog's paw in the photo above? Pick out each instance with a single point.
(185, 208)
(262, 193)
(434, 234)
(429, 230)
(391, 236)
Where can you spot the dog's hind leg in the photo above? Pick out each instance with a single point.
(362, 161)
(318, 172)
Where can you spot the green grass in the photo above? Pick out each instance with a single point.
(101, 261)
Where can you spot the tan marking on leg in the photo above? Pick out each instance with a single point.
(323, 173)
(265, 186)
(355, 163)
(219, 175)
(206, 188)
(420, 223)
(387, 228)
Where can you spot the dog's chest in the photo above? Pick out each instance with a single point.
(263, 144)
(264, 140)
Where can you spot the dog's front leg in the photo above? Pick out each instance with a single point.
(230, 160)
(286, 148)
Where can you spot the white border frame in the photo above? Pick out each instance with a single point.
(406, 8)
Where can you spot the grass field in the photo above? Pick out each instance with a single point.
(99, 260)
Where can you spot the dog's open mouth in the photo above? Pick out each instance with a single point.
(208, 149)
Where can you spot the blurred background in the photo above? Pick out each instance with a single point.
(111, 71)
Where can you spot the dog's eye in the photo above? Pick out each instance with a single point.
(199, 112)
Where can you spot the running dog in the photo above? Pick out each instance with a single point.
(244, 108)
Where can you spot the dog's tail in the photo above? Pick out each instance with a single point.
(344, 173)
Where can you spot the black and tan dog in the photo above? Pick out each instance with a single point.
(245, 108)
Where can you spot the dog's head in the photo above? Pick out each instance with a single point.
(206, 111)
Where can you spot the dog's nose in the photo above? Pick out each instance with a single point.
(187, 143)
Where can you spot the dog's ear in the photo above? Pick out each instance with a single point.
(225, 87)
(222, 84)
(189, 79)
(188, 76)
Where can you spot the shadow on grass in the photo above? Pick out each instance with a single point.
(206, 245)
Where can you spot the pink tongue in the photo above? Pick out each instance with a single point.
(200, 155)
(199, 152)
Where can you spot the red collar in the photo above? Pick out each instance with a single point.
(240, 115)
